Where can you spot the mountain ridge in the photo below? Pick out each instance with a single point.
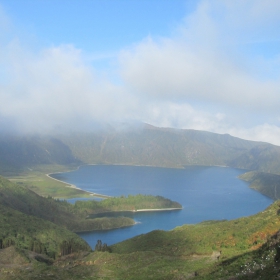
(145, 145)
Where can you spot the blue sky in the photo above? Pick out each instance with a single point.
(211, 65)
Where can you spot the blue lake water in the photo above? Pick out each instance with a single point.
(206, 193)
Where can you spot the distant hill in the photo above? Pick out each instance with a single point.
(262, 157)
(145, 145)
(266, 183)
(25, 151)
(168, 147)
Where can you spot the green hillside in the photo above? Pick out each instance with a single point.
(127, 203)
(172, 148)
(75, 217)
(72, 217)
(262, 157)
(245, 248)
(156, 146)
(145, 145)
(37, 235)
(266, 183)
(37, 232)
(21, 152)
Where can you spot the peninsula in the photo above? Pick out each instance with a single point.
(133, 203)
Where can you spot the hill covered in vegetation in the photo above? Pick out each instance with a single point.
(266, 183)
(45, 226)
(130, 203)
(144, 145)
(168, 147)
(25, 151)
(64, 214)
(245, 248)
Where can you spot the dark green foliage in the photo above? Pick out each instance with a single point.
(70, 246)
(36, 246)
(101, 247)
(35, 234)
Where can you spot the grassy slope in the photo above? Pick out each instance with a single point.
(262, 263)
(249, 249)
(229, 236)
(46, 186)
(187, 250)
(59, 212)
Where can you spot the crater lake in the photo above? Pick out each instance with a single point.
(206, 193)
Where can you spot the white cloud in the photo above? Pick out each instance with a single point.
(206, 65)
(265, 133)
(201, 78)
(56, 87)
(170, 70)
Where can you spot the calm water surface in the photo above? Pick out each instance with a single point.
(206, 193)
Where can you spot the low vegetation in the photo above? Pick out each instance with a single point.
(37, 181)
(245, 248)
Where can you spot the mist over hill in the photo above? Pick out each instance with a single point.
(145, 145)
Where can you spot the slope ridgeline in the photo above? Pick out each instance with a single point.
(145, 145)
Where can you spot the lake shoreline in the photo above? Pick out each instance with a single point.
(131, 211)
(113, 164)
(75, 187)
(137, 211)
(155, 210)
(206, 193)
(95, 164)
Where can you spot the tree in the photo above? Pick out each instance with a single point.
(98, 246)
(101, 247)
